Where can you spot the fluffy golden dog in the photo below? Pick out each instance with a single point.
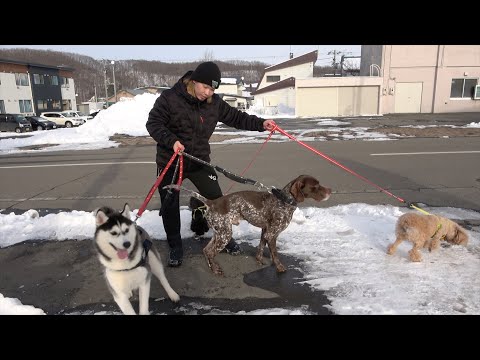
(426, 231)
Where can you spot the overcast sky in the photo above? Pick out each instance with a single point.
(270, 54)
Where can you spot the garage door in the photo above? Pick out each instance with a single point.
(408, 97)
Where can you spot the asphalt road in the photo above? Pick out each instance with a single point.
(445, 173)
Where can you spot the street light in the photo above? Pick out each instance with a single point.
(106, 92)
(114, 84)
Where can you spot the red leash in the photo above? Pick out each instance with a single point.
(253, 159)
(159, 180)
(338, 164)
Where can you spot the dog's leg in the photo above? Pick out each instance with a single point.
(434, 243)
(271, 239)
(261, 246)
(144, 296)
(415, 254)
(393, 247)
(218, 242)
(158, 271)
(124, 304)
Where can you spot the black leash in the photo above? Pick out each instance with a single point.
(228, 174)
(242, 180)
(168, 197)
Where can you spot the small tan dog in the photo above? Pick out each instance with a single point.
(426, 231)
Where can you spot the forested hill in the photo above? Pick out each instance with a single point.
(129, 74)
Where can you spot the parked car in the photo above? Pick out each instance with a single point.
(61, 119)
(39, 123)
(14, 122)
(95, 113)
(76, 114)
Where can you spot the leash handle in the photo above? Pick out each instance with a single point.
(155, 186)
(180, 174)
(254, 157)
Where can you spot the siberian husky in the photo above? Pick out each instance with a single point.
(126, 252)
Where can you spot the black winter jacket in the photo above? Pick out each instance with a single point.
(177, 115)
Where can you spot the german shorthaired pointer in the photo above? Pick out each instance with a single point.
(272, 212)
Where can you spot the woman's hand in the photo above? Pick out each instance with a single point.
(269, 125)
(178, 146)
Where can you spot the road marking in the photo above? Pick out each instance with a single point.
(87, 164)
(104, 197)
(428, 153)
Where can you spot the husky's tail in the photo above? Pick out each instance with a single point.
(194, 194)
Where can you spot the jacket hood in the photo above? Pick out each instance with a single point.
(180, 88)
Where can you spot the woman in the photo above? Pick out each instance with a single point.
(183, 118)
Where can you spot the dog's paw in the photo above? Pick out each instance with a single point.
(174, 297)
(390, 250)
(216, 269)
(281, 268)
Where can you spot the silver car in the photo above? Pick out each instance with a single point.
(61, 119)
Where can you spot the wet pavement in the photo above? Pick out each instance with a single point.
(65, 277)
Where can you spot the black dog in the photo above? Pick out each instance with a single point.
(199, 224)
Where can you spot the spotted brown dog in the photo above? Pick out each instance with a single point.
(272, 212)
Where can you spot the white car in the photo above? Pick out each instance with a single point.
(62, 119)
(76, 114)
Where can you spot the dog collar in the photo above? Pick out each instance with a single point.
(283, 197)
(436, 231)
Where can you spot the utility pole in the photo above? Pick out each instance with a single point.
(114, 84)
(106, 93)
(342, 61)
(334, 62)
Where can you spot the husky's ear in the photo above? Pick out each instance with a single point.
(126, 211)
(100, 218)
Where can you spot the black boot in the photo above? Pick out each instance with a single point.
(175, 256)
(233, 248)
(199, 224)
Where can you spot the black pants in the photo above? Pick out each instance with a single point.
(205, 180)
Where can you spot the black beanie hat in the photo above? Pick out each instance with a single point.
(207, 73)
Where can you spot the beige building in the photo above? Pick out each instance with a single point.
(393, 79)
(337, 96)
(276, 89)
(232, 91)
(425, 78)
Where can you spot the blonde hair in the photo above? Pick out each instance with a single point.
(191, 89)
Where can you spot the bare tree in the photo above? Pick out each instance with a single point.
(208, 55)
(129, 74)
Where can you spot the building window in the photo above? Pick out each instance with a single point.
(63, 81)
(25, 106)
(66, 104)
(56, 104)
(272, 78)
(463, 88)
(38, 79)
(42, 104)
(21, 79)
(2, 107)
(54, 79)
